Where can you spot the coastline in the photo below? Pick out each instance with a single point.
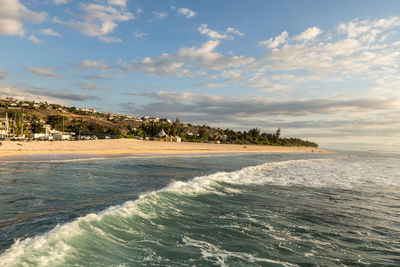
(124, 147)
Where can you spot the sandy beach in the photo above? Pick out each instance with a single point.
(131, 146)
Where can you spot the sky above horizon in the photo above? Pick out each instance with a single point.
(323, 71)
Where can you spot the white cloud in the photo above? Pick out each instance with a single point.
(231, 75)
(277, 41)
(205, 57)
(228, 108)
(308, 34)
(98, 20)
(89, 86)
(188, 61)
(160, 14)
(24, 94)
(260, 82)
(34, 39)
(283, 77)
(61, 2)
(345, 56)
(186, 12)
(203, 29)
(387, 85)
(355, 54)
(234, 31)
(140, 34)
(12, 16)
(91, 64)
(95, 76)
(209, 85)
(163, 65)
(121, 3)
(11, 27)
(357, 27)
(45, 72)
(139, 11)
(274, 87)
(49, 32)
(110, 39)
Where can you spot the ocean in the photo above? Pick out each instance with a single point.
(274, 209)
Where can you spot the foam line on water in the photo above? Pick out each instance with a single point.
(210, 251)
(43, 158)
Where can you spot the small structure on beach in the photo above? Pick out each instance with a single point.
(162, 134)
(163, 137)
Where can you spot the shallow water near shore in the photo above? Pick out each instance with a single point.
(276, 209)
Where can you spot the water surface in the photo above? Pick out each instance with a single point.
(238, 210)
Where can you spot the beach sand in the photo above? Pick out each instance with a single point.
(131, 146)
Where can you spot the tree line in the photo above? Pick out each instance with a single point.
(25, 124)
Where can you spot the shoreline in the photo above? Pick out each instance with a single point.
(132, 147)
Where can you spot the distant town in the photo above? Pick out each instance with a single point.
(30, 120)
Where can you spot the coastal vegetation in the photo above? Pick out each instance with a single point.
(30, 117)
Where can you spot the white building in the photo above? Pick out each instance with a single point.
(52, 134)
(4, 127)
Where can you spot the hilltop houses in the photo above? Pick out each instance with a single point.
(13, 103)
(34, 121)
(87, 110)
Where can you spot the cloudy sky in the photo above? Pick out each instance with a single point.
(324, 71)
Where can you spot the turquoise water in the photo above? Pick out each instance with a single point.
(240, 210)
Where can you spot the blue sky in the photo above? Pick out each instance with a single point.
(325, 71)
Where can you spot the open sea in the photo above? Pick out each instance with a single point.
(274, 209)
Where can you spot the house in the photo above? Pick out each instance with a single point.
(176, 139)
(163, 137)
(52, 134)
(57, 135)
(166, 121)
(47, 135)
(87, 110)
(62, 136)
(154, 119)
(192, 133)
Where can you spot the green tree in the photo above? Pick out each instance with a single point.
(18, 122)
(57, 122)
(113, 131)
(204, 134)
(36, 125)
(277, 136)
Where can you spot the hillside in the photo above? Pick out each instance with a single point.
(29, 117)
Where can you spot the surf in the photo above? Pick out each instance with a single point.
(129, 233)
(53, 247)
